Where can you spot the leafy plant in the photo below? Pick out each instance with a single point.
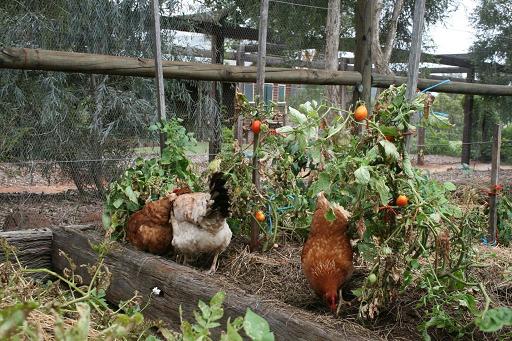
(425, 244)
(255, 327)
(151, 179)
(505, 217)
(26, 304)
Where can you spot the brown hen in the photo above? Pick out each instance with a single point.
(327, 254)
(149, 229)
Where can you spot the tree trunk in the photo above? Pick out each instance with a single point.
(332, 32)
(382, 56)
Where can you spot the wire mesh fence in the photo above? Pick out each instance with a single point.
(77, 132)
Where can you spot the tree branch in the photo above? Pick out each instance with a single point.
(390, 37)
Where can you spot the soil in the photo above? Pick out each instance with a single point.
(274, 275)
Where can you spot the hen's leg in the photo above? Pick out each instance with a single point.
(342, 302)
(213, 268)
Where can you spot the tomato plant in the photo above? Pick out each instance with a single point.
(424, 243)
(149, 179)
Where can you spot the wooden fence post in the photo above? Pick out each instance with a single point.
(260, 84)
(239, 132)
(493, 198)
(159, 71)
(468, 122)
(332, 33)
(414, 58)
(363, 54)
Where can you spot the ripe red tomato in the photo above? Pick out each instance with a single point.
(260, 216)
(256, 126)
(402, 200)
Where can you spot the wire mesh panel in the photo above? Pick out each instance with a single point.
(77, 132)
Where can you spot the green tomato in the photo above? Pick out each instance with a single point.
(372, 278)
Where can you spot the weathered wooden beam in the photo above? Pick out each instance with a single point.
(137, 271)
(31, 59)
(444, 70)
(382, 81)
(33, 248)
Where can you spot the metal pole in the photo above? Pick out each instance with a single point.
(414, 58)
(159, 71)
(260, 83)
(493, 199)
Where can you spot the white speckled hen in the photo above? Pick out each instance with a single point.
(199, 221)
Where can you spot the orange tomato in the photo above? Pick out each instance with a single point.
(361, 113)
(402, 200)
(260, 216)
(256, 126)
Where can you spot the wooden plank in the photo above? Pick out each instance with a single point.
(493, 198)
(32, 247)
(468, 124)
(137, 271)
(160, 97)
(254, 237)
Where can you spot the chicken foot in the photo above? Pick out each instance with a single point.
(182, 259)
(342, 302)
(213, 267)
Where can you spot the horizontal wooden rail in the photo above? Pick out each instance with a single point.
(35, 59)
(30, 59)
(381, 81)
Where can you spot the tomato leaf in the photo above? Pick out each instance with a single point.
(322, 184)
(495, 319)
(131, 194)
(390, 150)
(256, 327)
(362, 175)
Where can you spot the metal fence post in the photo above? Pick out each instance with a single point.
(159, 71)
(260, 83)
(493, 198)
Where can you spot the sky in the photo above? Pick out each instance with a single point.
(455, 34)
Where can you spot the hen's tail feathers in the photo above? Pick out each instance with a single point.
(219, 194)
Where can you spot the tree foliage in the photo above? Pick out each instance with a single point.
(54, 116)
